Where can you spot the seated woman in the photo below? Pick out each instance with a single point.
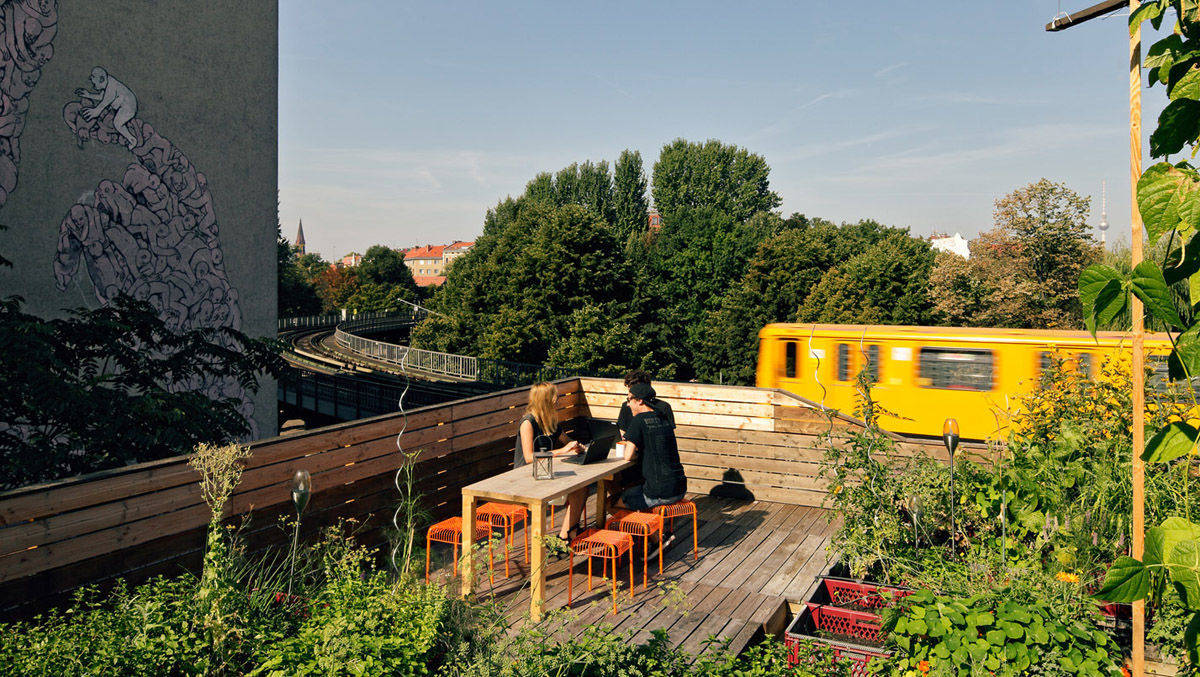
(540, 430)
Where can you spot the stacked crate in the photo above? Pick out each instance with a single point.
(843, 615)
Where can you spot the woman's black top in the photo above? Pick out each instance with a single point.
(541, 442)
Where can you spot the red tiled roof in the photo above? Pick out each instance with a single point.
(429, 280)
(459, 245)
(429, 252)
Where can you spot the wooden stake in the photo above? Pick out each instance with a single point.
(1139, 331)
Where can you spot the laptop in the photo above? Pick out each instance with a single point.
(595, 451)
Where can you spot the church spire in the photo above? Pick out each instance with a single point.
(299, 244)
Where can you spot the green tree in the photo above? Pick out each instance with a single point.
(629, 195)
(778, 278)
(696, 257)
(886, 284)
(728, 180)
(385, 267)
(373, 297)
(1022, 273)
(101, 389)
(296, 295)
(312, 265)
(514, 295)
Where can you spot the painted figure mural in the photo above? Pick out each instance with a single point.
(27, 29)
(153, 234)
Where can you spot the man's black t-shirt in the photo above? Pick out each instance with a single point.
(654, 436)
(626, 416)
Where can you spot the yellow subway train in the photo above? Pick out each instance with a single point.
(925, 375)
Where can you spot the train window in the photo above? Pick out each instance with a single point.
(871, 357)
(1083, 362)
(954, 369)
(789, 359)
(1045, 364)
(843, 362)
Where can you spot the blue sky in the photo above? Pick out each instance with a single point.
(402, 123)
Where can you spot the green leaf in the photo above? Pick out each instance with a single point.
(1191, 639)
(1127, 580)
(1177, 127)
(1170, 442)
(1101, 294)
(1151, 288)
(1184, 361)
(1164, 52)
(1184, 562)
(1188, 87)
(1168, 199)
(1161, 539)
(1146, 12)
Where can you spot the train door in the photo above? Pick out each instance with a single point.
(791, 364)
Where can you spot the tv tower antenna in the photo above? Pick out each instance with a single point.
(1103, 211)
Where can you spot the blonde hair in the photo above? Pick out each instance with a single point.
(542, 398)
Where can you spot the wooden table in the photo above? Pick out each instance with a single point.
(519, 486)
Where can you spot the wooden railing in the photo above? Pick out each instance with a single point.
(147, 519)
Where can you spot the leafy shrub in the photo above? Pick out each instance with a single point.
(994, 634)
(360, 624)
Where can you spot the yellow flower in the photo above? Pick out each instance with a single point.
(1067, 577)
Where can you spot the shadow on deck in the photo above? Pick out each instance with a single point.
(755, 556)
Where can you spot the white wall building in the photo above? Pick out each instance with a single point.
(955, 244)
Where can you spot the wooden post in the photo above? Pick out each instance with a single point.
(537, 562)
(1139, 331)
(468, 544)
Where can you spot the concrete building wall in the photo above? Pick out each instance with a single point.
(168, 194)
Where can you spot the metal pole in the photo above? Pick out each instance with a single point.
(1139, 332)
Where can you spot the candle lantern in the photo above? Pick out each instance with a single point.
(543, 465)
(950, 439)
(301, 490)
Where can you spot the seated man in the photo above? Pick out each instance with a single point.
(651, 440)
(633, 476)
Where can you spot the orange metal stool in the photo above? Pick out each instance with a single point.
(607, 545)
(450, 531)
(642, 524)
(504, 516)
(681, 509)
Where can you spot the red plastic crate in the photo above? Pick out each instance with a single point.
(858, 657)
(847, 622)
(846, 592)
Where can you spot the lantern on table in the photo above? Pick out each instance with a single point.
(543, 465)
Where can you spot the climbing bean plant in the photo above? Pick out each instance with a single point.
(1168, 197)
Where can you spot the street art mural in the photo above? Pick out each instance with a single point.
(28, 29)
(152, 234)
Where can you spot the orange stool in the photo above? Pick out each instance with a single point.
(450, 531)
(607, 545)
(640, 524)
(681, 509)
(504, 516)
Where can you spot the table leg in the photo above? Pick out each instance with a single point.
(537, 565)
(601, 502)
(468, 544)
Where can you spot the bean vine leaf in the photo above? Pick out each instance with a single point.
(1103, 295)
(1151, 288)
(1169, 443)
(1177, 126)
(1127, 580)
(1168, 198)
(1162, 539)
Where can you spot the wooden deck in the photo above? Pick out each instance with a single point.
(755, 557)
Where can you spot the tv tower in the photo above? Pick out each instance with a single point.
(1103, 211)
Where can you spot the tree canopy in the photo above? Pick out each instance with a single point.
(722, 178)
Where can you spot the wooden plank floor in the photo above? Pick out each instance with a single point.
(755, 556)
